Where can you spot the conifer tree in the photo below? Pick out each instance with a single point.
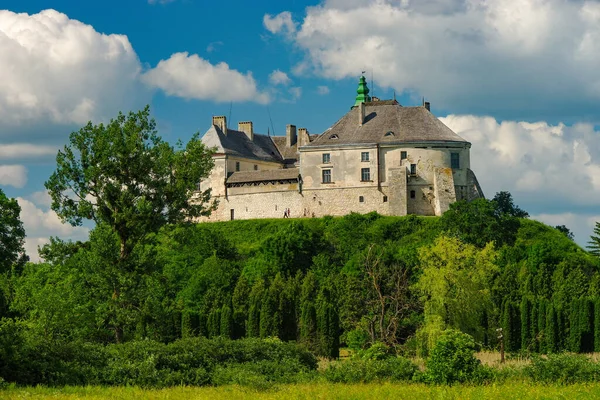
(288, 307)
(594, 243)
(541, 326)
(186, 324)
(308, 312)
(525, 323)
(226, 322)
(214, 323)
(255, 305)
(533, 327)
(328, 324)
(270, 312)
(551, 330)
(240, 300)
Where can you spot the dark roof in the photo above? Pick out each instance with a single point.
(288, 153)
(264, 175)
(236, 143)
(407, 124)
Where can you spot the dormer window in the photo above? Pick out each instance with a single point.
(334, 136)
(389, 133)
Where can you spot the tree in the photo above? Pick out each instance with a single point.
(565, 231)
(594, 243)
(455, 284)
(328, 323)
(123, 175)
(505, 205)
(12, 235)
(388, 298)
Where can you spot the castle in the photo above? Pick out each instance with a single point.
(380, 157)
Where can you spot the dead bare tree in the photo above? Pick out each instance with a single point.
(389, 300)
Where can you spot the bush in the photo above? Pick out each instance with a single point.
(563, 369)
(378, 351)
(393, 369)
(452, 359)
(193, 361)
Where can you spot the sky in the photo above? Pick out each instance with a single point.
(519, 79)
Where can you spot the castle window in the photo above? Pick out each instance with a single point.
(385, 199)
(412, 194)
(413, 169)
(334, 136)
(389, 133)
(255, 167)
(326, 175)
(365, 174)
(455, 160)
(361, 199)
(326, 158)
(403, 155)
(364, 156)
(237, 165)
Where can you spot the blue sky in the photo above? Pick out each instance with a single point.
(518, 79)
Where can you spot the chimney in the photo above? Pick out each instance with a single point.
(361, 114)
(428, 106)
(221, 123)
(247, 128)
(303, 138)
(290, 135)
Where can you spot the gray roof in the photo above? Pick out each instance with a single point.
(288, 153)
(236, 143)
(407, 124)
(264, 175)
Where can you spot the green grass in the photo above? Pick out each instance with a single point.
(316, 391)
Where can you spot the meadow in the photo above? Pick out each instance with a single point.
(315, 391)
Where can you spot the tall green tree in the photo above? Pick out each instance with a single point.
(328, 323)
(270, 312)
(308, 312)
(455, 284)
(594, 243)
(255, 305)
(12, 234)
(124, 176)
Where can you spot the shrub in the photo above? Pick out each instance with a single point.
(563, 369)
(393, 369)
(378, 351)
(452, 359)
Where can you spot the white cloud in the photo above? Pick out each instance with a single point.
(13, 175)
(41, 198)
(470, 56)
(213, 46)
(278, 77)
(549, 169)
(322, 90)
(40, 224)
(60, 71)
(26, 150)
(280, 23)
(192, 77)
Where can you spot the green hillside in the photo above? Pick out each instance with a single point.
(352, 281)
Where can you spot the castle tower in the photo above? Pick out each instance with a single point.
(362, 91)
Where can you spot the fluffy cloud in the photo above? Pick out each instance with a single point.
(551, 170)
(192, 77)
(41, 223)
(280, 23)
(25, 150)
(515, 59)
(278, 77)
(13, 175)
(60, 71)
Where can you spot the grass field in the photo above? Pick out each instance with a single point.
(316, 391)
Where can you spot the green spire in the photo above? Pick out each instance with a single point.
(362, 92)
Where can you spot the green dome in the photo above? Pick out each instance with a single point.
(362, 92)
